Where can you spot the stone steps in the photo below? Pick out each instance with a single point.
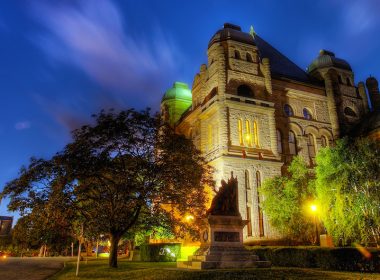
(198, 265)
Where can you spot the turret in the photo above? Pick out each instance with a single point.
(176, 101)
(374, 94)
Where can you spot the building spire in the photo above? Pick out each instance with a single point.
(252, 32)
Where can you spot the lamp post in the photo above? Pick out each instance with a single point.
(314, 209)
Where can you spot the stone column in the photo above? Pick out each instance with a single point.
(363, 95)
(267, 75)
(332, 106)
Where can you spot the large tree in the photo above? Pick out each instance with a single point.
(126, 169)
(287, 200)
(348, 189)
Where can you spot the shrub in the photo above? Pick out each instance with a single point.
(162, 252)
(345, 259)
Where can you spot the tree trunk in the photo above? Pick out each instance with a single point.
(115, 238)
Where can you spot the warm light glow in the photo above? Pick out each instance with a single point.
(313, 207)
(189, 218)
(247, 137)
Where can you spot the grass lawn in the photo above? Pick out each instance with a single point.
(98, 269)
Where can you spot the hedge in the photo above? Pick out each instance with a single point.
(344, 259)
(162, 252)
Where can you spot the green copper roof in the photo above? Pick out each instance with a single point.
(178, 91)
(328, 59)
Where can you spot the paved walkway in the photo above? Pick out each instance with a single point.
(30, 268)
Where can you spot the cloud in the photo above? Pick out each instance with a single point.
(360, 16)
(22, 125)
(90, 36)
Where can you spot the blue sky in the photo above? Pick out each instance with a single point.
(62, 61)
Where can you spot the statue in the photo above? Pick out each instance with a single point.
(225, 202)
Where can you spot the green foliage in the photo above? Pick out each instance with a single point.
(113, 178)
(162, 252)
(348, 190)
(344, 259)
(286, 201)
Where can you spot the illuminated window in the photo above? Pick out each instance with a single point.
(247, 187)
(255, 134)
(237, 54)
(324, 141)
(240, 131)
(288, 110)
(307, 114)
(292, 143)
(311, 145)
(349, 112)
(279, 141)
(248, 138)
(261, 216)
(249, 58)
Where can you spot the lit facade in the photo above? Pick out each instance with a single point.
(251, 109)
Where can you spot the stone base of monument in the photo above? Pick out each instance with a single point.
(222, 246)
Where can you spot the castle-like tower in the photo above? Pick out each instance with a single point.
(252, 110)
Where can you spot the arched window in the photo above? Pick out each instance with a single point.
(245, 91)
(261, 216)
(340, 79)
(292, 143)
(279, 141)
(255, 134)
(288, 110)
(240, 132)
(311, 145)
(249, 58)
(237, 54)
(248, 187)
(307, 114)
(324, 141)
(349, 112)
(348, 82)
(248, 138)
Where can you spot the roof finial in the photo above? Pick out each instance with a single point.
(252, 32)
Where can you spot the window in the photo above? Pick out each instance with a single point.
(311, 145)
(255, 134)
(240, 132)
(245, 91)
(292, 143)
(348, 82)
(340, 79)
(237, 54)
(288, 110)
(324, 141)
(349, 112)
(248, 138)
(247, 187)
(261, 216)
(307, 114)
(279, 141)
(249, 58)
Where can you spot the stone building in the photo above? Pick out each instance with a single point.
(251, 109)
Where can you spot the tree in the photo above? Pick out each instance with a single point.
(287, 199)
(125, 167)
(348, 190)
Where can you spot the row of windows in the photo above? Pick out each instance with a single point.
(292, 141)
(260, 216)
(248, 137)
(288, 110)
(247, 55)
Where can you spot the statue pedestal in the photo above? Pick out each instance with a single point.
(222, 246)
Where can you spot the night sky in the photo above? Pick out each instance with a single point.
(62, 60)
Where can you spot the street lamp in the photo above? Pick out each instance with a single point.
(314, 209)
